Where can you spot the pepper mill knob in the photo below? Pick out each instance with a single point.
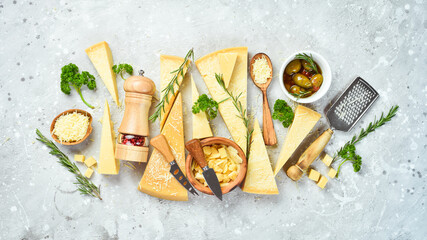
(140, 84)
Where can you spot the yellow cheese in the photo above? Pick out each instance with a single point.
(322, 182)
(90, 162)
(101, 57)
(169, 64)
(327, 160)
(314, 175)
(201, 127)
(208, 66)
(89, 172)
(71, 127)
(304, 121)
(108, 164)
(157, 181)
(226, 63)
(332, 173)
(259, 176)
(79, 158)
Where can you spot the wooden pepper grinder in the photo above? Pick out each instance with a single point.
(134, 130)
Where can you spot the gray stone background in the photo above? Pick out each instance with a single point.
(382, 41)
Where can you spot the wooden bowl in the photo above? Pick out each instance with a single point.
(89, 128)
(233, 184)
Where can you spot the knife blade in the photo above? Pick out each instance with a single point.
(161, 144)
(195, 149)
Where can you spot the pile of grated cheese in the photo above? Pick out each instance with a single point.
(71, 127)
(261, 70)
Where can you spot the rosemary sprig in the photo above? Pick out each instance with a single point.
(242, 111)
(85, 185)
(160, 107)
(348, 151)
(300, 94)
(308, 59)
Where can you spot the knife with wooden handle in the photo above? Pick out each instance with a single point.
(161, 144)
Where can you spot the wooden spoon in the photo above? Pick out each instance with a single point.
(267, 123)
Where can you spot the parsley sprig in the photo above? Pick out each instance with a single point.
(207, 105)
(123, 68)
(283, 112)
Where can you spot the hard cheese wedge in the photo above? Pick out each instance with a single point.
(208, 66)
(157, 181)
(304, 121)
(227, 62)
(107, 163)
(169, 64)
(201, 127)
(259, 176)
(102, 59)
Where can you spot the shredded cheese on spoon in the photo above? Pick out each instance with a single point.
(71, 127)
(261, 70)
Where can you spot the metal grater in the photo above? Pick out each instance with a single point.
(351, 105)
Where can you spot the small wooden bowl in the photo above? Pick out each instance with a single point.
(233, 184)
(89, 128)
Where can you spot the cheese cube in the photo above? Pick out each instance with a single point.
(79, 158)
(332, 173)
(89, 172)
(322, 182)
(207, 150)
(222, 152)
(215, 153)
(327, 160)
(90, 162)
(314, 175)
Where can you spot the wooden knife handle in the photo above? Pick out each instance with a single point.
(161, 144)
(267, 123)
(295, 172)
(196, 150)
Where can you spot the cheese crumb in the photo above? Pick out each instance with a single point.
(71, 127)
(261, 70)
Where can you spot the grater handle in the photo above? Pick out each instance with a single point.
(310, 154)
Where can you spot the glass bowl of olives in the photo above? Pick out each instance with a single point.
(306, 77)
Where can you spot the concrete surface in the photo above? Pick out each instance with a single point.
(382, 41)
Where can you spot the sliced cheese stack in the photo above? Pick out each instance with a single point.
(305, 119)
(108, 164)
(208, 66)
(101, 57)
(259, 176)
(201, 127)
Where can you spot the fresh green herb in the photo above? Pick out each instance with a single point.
(207, 105)
(242, 111)
(123, 68)
(160, 107)
(70, 75)
(300, 94)
(308, 59)
(86, 187)
(348, 152)
(283, 112)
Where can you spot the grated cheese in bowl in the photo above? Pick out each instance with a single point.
(71, 127)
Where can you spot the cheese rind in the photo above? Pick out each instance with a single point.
(108, 164)
(259, 176)
(314, 175)
(90, 162)
(157, 181)
(89, 172)
(322, 182)
(201, 127)
(208, 66)
(168, 64)
(79, 158)
(101, 57)
(305, 119)
(327, 160)
(227, 61)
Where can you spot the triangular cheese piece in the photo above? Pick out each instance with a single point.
(168, 64)
(107, 163)
(304, 120)
(201, 127)
(102, 59)
(259, 176)
(157, 181)
(208, 66)
(227, 62)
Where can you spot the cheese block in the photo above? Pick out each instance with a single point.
(89, 172)
(304, 121)
(169, 64)
(79, 158)
(259, 176)
(332, 173)
(327, 160)
(90, 162)
(157, 181)
(208, 66)
(227, 62)
(101, 57)
(108, 164)
(201, 127)
(322, 182)
(314, 175)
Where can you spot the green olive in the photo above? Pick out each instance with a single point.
(302, 81)
(296, 89)
(317, 81)
(293, 67)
